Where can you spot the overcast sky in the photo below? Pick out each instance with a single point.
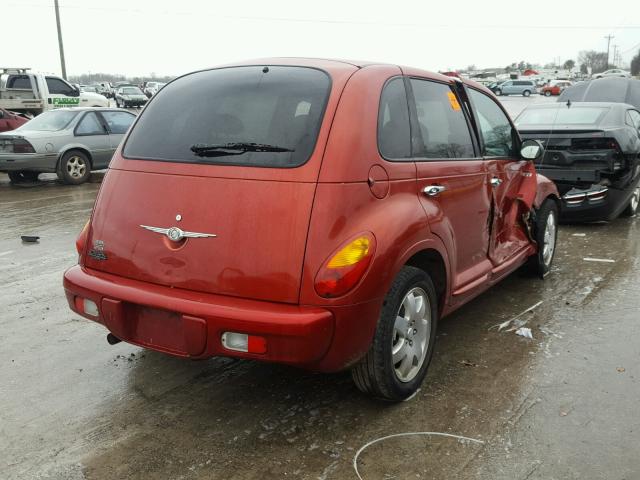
(137, 37)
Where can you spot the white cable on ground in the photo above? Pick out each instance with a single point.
(408, 434)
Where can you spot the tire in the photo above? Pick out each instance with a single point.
(547, 93)
(398, 329)
(526, 93)
(545, 231)
(23, 176)
(74, 168)
(498, 92)
(632, 208)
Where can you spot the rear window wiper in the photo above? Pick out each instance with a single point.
(219, 150)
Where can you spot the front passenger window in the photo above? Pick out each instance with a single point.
(494, 125)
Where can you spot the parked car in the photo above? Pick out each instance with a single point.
(33, 93)
(69, 142)
(151, 88)
(311, 212)
(89, 88)
(592, 154)
(10, 120)
(493, 86)
(614, 72)
(517, 87)
(130, 97)
(612, 89)
(555, 87)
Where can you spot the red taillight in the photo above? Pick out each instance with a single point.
(345, 267)
(20, 145)
(81, 241)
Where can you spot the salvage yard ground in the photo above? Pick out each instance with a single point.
(562, 405)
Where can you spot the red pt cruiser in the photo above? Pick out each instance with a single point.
(317, 213)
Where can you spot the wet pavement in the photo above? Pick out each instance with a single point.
(560, 406)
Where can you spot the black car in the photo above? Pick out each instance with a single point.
(592, 153)
(612, 89)
(130, 96)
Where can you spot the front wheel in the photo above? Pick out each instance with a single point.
(547, 93)
(397, 361)
(498, 92)
(526, 93)
(545, 232)
(632, 208)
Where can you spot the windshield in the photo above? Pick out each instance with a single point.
(276, 109)
(50, 121)
(131, 91)
(551, 116)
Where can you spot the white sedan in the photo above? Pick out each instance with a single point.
(615, 72)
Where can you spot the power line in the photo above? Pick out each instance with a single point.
(338, 22)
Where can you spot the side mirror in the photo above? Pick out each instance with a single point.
(531, 149)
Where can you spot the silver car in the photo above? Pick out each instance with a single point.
(517, 87)
(68, 141)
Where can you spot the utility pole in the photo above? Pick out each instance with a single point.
(608, 37)
(64, 68)
(615, 55)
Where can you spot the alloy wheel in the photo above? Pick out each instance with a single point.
(549, 239)
(76, 167)
(411, 334)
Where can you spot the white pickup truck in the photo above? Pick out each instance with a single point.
(33, 93)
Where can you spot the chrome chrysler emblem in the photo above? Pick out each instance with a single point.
(175, 234)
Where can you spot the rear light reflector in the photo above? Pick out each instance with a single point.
(86, 306)
(242, 342)
(22, 146)
(345, 267)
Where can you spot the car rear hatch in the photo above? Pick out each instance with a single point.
(577, 147)
(229, 159)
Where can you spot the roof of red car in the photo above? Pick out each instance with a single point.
(333, 63)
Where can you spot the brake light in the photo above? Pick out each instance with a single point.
(81, 241)
(20, 145)
(344, 269)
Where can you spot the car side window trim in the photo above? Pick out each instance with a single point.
(413, 117)
(100, 121)
(514, 132)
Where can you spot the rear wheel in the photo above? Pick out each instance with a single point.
(546, 236)
(23, 176)
(74, 168)
(547, 93)
(632, 208)
(397, 361)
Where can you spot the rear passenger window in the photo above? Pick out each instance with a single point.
(90, 125)
(444, 129)
(394, 133)
(494, 125)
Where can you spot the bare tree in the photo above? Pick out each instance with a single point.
(596, 61)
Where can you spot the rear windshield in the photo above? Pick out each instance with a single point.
(222, 116)
(50, 121)
(552, 116)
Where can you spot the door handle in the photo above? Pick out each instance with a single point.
(495, 182)
(433, 190)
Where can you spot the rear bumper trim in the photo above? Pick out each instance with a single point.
(190, 324)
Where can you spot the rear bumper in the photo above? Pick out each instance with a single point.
(594, 204)
(190, 324)
(11, 162)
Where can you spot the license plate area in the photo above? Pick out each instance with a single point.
(163, 330)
